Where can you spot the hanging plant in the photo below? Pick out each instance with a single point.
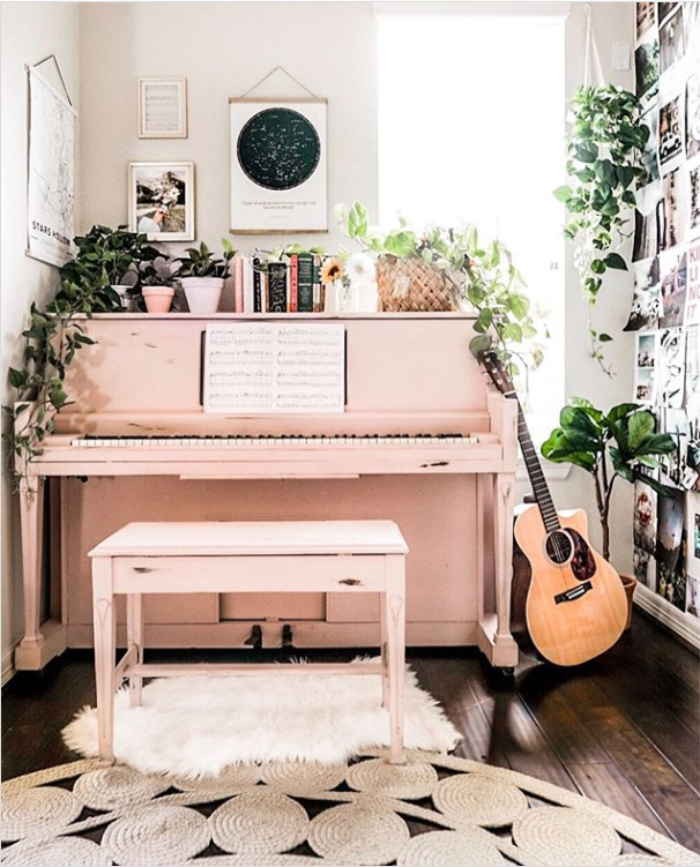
(604, 159)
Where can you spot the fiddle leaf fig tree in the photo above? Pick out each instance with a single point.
(604, 161)
(622, 444)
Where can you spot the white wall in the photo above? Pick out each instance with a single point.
(29, 32)
(223, 49)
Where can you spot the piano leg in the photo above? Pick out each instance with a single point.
(37, 646)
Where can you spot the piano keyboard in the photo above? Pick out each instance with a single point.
(419, 440)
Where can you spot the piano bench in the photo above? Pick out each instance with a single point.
(245, 557)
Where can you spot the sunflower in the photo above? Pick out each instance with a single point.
(332, 270)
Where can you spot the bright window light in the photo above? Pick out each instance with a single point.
(471, 130)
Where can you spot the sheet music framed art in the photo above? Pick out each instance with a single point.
(163, 107)
(278, 165)
(259, 368)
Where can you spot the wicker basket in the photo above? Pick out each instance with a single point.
(412, 284)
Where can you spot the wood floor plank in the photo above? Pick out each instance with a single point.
(679, 809)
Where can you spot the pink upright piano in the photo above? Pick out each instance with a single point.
(423, 440)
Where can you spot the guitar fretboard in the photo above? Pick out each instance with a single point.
(534, 470)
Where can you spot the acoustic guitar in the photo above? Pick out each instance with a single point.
(576, 604)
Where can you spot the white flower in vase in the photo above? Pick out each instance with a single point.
(361, 269)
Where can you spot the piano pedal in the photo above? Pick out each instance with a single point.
(255, 639)
(287, 637)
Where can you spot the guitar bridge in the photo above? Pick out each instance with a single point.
(573, 593)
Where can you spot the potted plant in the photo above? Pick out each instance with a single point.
(114, 256)
(447, 269)
(202, 276)
(605, 162)
(622, 444)
(156, 282)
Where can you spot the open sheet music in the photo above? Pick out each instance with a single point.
(261, 367)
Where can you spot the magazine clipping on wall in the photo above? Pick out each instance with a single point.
(665, 310)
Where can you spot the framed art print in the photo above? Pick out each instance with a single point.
(161, 200)
(162, 108)
(278, 166)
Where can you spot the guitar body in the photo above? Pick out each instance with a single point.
(576, 604)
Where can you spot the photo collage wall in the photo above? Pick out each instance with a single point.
(666, 306)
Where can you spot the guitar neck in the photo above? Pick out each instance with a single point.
(540, 489)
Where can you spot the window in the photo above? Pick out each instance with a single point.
(471, 130)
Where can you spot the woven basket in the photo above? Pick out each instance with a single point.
(412, 284)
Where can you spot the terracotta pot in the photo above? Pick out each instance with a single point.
(629, 584)
(158, 298)
(203, 293)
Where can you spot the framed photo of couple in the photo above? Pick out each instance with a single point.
(161, 200)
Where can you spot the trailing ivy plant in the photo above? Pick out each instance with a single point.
(604, 160)
(51, 342)
(481, 274)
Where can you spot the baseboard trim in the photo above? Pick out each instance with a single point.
(685, 626)
(8, 665)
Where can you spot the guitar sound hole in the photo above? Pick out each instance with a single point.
(559, 547)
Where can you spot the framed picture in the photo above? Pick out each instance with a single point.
(162, 108)
(161, 200)
(278, 166)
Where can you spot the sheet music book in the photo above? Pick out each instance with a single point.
(259, 368)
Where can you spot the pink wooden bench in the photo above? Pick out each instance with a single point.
(274, 557)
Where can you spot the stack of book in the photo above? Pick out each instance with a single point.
(289, 285)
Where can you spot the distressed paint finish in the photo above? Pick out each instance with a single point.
(406, 374)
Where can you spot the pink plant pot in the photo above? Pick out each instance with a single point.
(158, 298)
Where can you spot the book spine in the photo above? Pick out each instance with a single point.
(238, 284)
(248, 296)
(317, 305)
(305, 282)
(257, 288)
(265, 291)
(278, 287)
(294, 283)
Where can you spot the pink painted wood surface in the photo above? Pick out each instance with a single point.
(406, 374)
(250, 538)
(363, 556)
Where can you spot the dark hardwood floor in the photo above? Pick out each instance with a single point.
(623, 729)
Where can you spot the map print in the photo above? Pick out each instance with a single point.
(278, 149)
(51, 176)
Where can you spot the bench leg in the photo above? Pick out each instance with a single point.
(396, 632)
(134, 636)
(105, 623)
(383, 620)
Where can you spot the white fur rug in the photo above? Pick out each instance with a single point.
(196, 726)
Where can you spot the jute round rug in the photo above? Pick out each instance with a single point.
(435, 810)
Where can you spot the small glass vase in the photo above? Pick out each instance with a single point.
(346, 297)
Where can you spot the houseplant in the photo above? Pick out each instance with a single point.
(202, 275)
(455, 268)
(604, 161)
(114, 256)
(621, 444)
(156, 284)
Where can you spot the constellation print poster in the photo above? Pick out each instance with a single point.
(278, 166)
(261, 368)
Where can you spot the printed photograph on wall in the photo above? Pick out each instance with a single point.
(671, 368)
(646, 302)
(692, 290)
(644, 371)
(644, 568)
(694, 201)
(650, 156)
(670, 135)
(648, 221)
(665, 10)
(692, 603)
(671, 41)
(673, 266)
(669, 549)
(161, 200)
(646, 66)
(674, 465)
(675, 207)
(646, 17)
(692, 366)
(692, 116)
(644, 526)
(278, 166)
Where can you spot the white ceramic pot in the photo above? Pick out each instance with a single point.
(158, 298)
(203, 293)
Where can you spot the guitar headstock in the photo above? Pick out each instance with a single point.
(497, 372)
